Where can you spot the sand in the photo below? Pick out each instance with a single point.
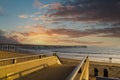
(4, 54)
(113, 69)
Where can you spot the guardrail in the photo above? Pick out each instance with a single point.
(19, 59)
(81, 72)
(12, 72)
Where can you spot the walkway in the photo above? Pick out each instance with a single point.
(55, 72)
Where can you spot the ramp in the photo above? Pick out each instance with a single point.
(13, 71)
(55, 72)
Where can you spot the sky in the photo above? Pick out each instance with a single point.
(60, 22)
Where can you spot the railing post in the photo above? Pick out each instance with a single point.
(54, 54)
(14, 61)
(110, 59)
(59, 61)
(40, 56)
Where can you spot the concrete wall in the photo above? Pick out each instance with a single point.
(17, 70)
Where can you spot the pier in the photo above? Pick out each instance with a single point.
(19, 47)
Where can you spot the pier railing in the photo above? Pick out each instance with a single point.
(19, 59)
(81, 72)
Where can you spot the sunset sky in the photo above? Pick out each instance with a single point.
(60, 22)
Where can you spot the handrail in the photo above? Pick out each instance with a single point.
(15, 60)
(77, 69)
(20, 57)
(15, 71)
(19, 73)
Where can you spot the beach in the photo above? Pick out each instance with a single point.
(4, 54)
(99, 54)
(69, 65)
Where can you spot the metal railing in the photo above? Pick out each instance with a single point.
(81, 72)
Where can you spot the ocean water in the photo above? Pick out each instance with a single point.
(101, 54)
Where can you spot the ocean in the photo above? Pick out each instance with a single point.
(101, 54)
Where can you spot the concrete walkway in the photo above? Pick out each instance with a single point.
(55, 72)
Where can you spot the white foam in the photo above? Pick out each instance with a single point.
(92, 57)
(101, 55)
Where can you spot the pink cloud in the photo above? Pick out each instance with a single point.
(6, 39)
(56, 6)
(52, 6)
(62, 35)
(37, 4)
(43, 34)
(23, 16)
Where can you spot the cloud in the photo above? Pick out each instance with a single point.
(56, 6)
(37, 17)
(87, 10)
(5, 39)
(69, 32)
(77, 42)
(38, 33)
(44, 19)
(1, 11)
(36, 13)
(105, 32)
(2, 32)
(52, 6)
(37, 4)
(41, 34)
(23, 16)
(109, 32)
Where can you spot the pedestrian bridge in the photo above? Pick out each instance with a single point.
(46, 68)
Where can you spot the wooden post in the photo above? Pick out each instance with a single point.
(110, 59)
(40, 56)
(14, 61)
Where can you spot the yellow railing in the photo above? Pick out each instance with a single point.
(81, 72)
(14, 60)
(11, 72)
